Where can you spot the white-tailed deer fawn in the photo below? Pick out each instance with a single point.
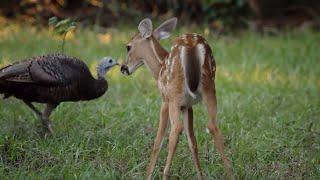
(185, 76)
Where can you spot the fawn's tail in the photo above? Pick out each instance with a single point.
(192, 69)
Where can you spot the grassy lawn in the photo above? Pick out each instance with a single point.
(268, 90)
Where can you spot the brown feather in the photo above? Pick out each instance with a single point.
(15, 72)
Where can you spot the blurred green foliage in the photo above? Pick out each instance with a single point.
(61, 28)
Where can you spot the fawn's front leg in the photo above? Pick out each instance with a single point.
(163, 124)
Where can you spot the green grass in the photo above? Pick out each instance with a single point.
(268, 90)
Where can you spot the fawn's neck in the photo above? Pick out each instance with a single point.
(156, 58)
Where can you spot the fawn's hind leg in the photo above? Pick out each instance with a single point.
(188, 128)
(209, 98)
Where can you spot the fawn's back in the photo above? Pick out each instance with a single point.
(187, 67)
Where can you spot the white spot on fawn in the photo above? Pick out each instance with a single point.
(201, 53)
(183, 52)
(195, 36)
(171, 65)
(207, 130)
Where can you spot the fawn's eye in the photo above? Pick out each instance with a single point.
(128, 48)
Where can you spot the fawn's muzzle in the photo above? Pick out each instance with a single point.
(124, 69)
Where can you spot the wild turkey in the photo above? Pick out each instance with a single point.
(52, 79)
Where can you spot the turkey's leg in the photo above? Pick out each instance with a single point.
(34, 109)
(45, 117)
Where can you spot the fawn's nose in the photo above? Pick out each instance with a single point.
(124, 69)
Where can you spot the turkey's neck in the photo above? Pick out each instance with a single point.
(101, 74)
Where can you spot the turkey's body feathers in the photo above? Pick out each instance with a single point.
(50, 79)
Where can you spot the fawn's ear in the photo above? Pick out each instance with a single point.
(145, 28)
(165, 29)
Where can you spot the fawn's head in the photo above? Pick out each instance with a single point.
(140, 46)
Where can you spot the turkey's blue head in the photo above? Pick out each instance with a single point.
(105, 65)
